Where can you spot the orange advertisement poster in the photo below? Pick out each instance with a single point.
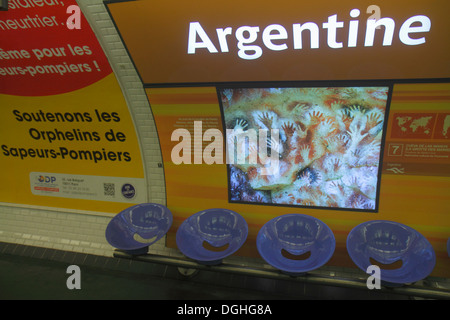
(420, 201)
(418, 139)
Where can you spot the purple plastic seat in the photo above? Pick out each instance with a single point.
(384, 243)
(296, 243)
(136, 228)
(211, 235)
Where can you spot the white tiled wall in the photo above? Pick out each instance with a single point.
(85, 231)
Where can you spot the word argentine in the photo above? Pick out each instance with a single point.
(273, 35)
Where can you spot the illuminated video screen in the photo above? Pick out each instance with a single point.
(305, 146)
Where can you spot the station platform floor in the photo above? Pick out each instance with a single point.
(32, 273)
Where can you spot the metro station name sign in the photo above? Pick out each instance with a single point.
(202, 42)
(275, 36)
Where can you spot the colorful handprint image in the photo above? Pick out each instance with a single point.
(328, 141)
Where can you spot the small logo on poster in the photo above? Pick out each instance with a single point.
(46, 179)
(44, 183)
(128, 191)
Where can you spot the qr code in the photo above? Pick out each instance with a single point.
(109, 189)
